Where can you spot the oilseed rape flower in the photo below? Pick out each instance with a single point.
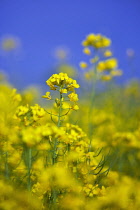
(73, 97)
(106, 77)
(116, 72)
(63, 84)
(9, 44)
(47, 96)
(107, 53)
(29, 114)
(61, 80)
(107, 64)
(83, 65)
(100, 69)
(22, 110)
(87, 51)
(75, 107)
(97, 41)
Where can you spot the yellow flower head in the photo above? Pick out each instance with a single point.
(108, 65)
(73, 97)
(107, 53)
(116, 73)
(106, 77)
(87, 51)
(47, 96)
(83, 65)
(96, 41)
(111, 63)
(62, 81)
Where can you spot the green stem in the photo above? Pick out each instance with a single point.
(60, 111)
(90, 128)
(29, 158)
(54, 155)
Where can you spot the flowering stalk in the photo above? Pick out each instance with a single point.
(60, 110)
(29, 167)
(28, 162)
(91, 105)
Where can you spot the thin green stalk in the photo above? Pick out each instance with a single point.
(90, 128)
(60, 111)
(29, 159)
(54, 155)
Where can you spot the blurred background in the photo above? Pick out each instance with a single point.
(37, 35)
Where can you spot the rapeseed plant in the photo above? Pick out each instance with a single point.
(50, 162)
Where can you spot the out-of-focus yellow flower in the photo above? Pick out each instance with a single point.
(97, 41)
(61, 53)
(75, 107)
(89, 75)
(83, 65)
(87, 51)
(16, 96)
(107, 64)
(108, 53)
(53, 176)
(106, 77)
(43, 146)
(37, 112)
(111, 63)
(9, 44)
(22, 110)
(116, 72)
(101, 66)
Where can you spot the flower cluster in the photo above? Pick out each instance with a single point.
(97, 41)
(62, 81)
(104, 67)
(29, 114)
(63, 84)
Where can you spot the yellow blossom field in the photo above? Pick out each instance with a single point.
(77, 145)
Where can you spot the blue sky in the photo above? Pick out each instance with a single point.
(43, 25)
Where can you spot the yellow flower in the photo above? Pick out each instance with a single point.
(91, 38)
(47, 96)
(107, 53)
(63, 91)
(106, 77)
(106, 42)
(101, 66)
(63, 81)
(116, 73)
(89, 75)
(97, 41)
(111, 63)
(22, 110)
(9, 44)
(73, 97)
(87, 51)
(75, 107)
(83, 65)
